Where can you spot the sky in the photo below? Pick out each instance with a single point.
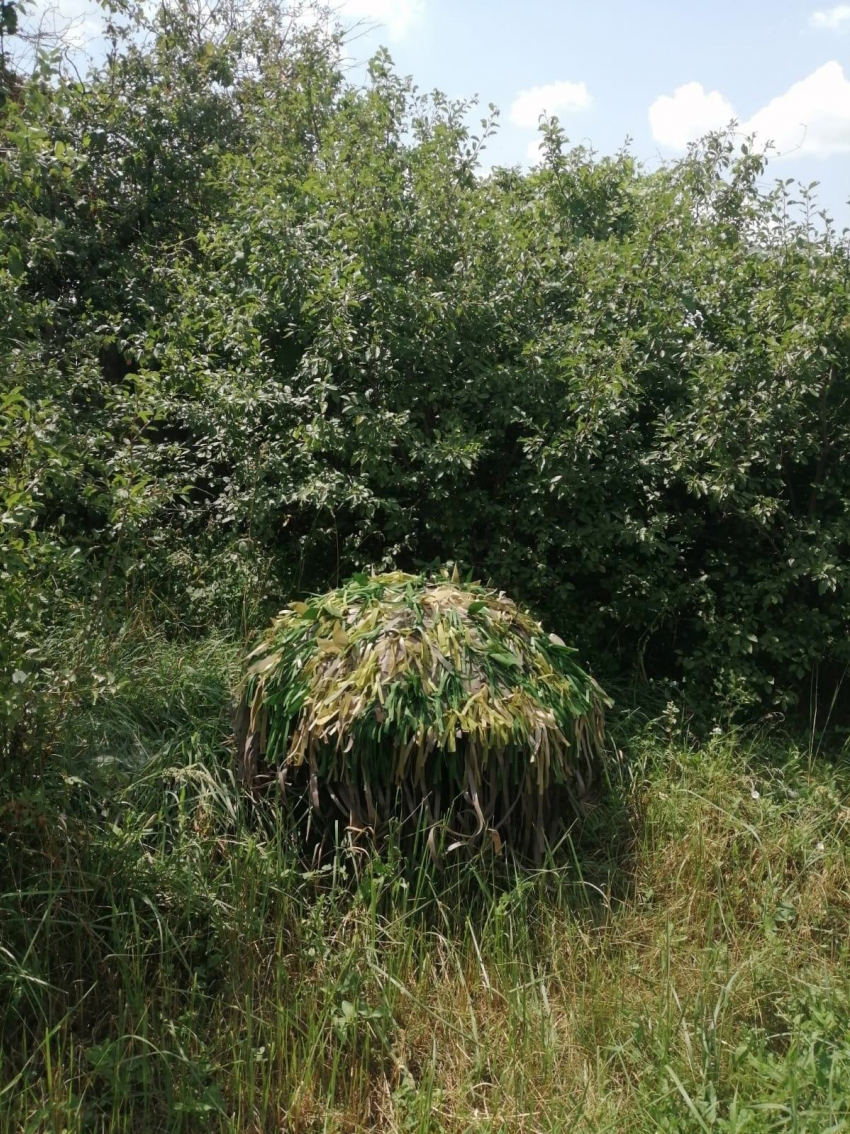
(659, 72)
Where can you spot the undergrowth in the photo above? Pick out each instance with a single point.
(169, 962)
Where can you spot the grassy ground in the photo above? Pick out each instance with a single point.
(168, 964)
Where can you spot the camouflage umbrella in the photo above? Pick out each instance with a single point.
(404, 696)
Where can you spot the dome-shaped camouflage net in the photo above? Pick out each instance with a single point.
(424, 700)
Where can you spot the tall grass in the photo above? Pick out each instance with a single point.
(168, 961)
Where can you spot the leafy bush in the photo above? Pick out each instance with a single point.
(421, 697)
(262, 334)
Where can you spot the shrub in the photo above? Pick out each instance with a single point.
(263, 334)
(422, 698)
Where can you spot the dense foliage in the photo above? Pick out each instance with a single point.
(426, 700)
(262, 327)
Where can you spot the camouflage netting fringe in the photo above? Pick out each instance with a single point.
(427, 702)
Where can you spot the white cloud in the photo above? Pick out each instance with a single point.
(398, 16)
(811, 118)
(833, 19)
(687, 114)
(553, 98)
(534, 151)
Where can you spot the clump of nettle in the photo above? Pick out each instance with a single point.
(437, 705)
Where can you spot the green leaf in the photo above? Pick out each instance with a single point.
(14, 263)
(9, 18)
